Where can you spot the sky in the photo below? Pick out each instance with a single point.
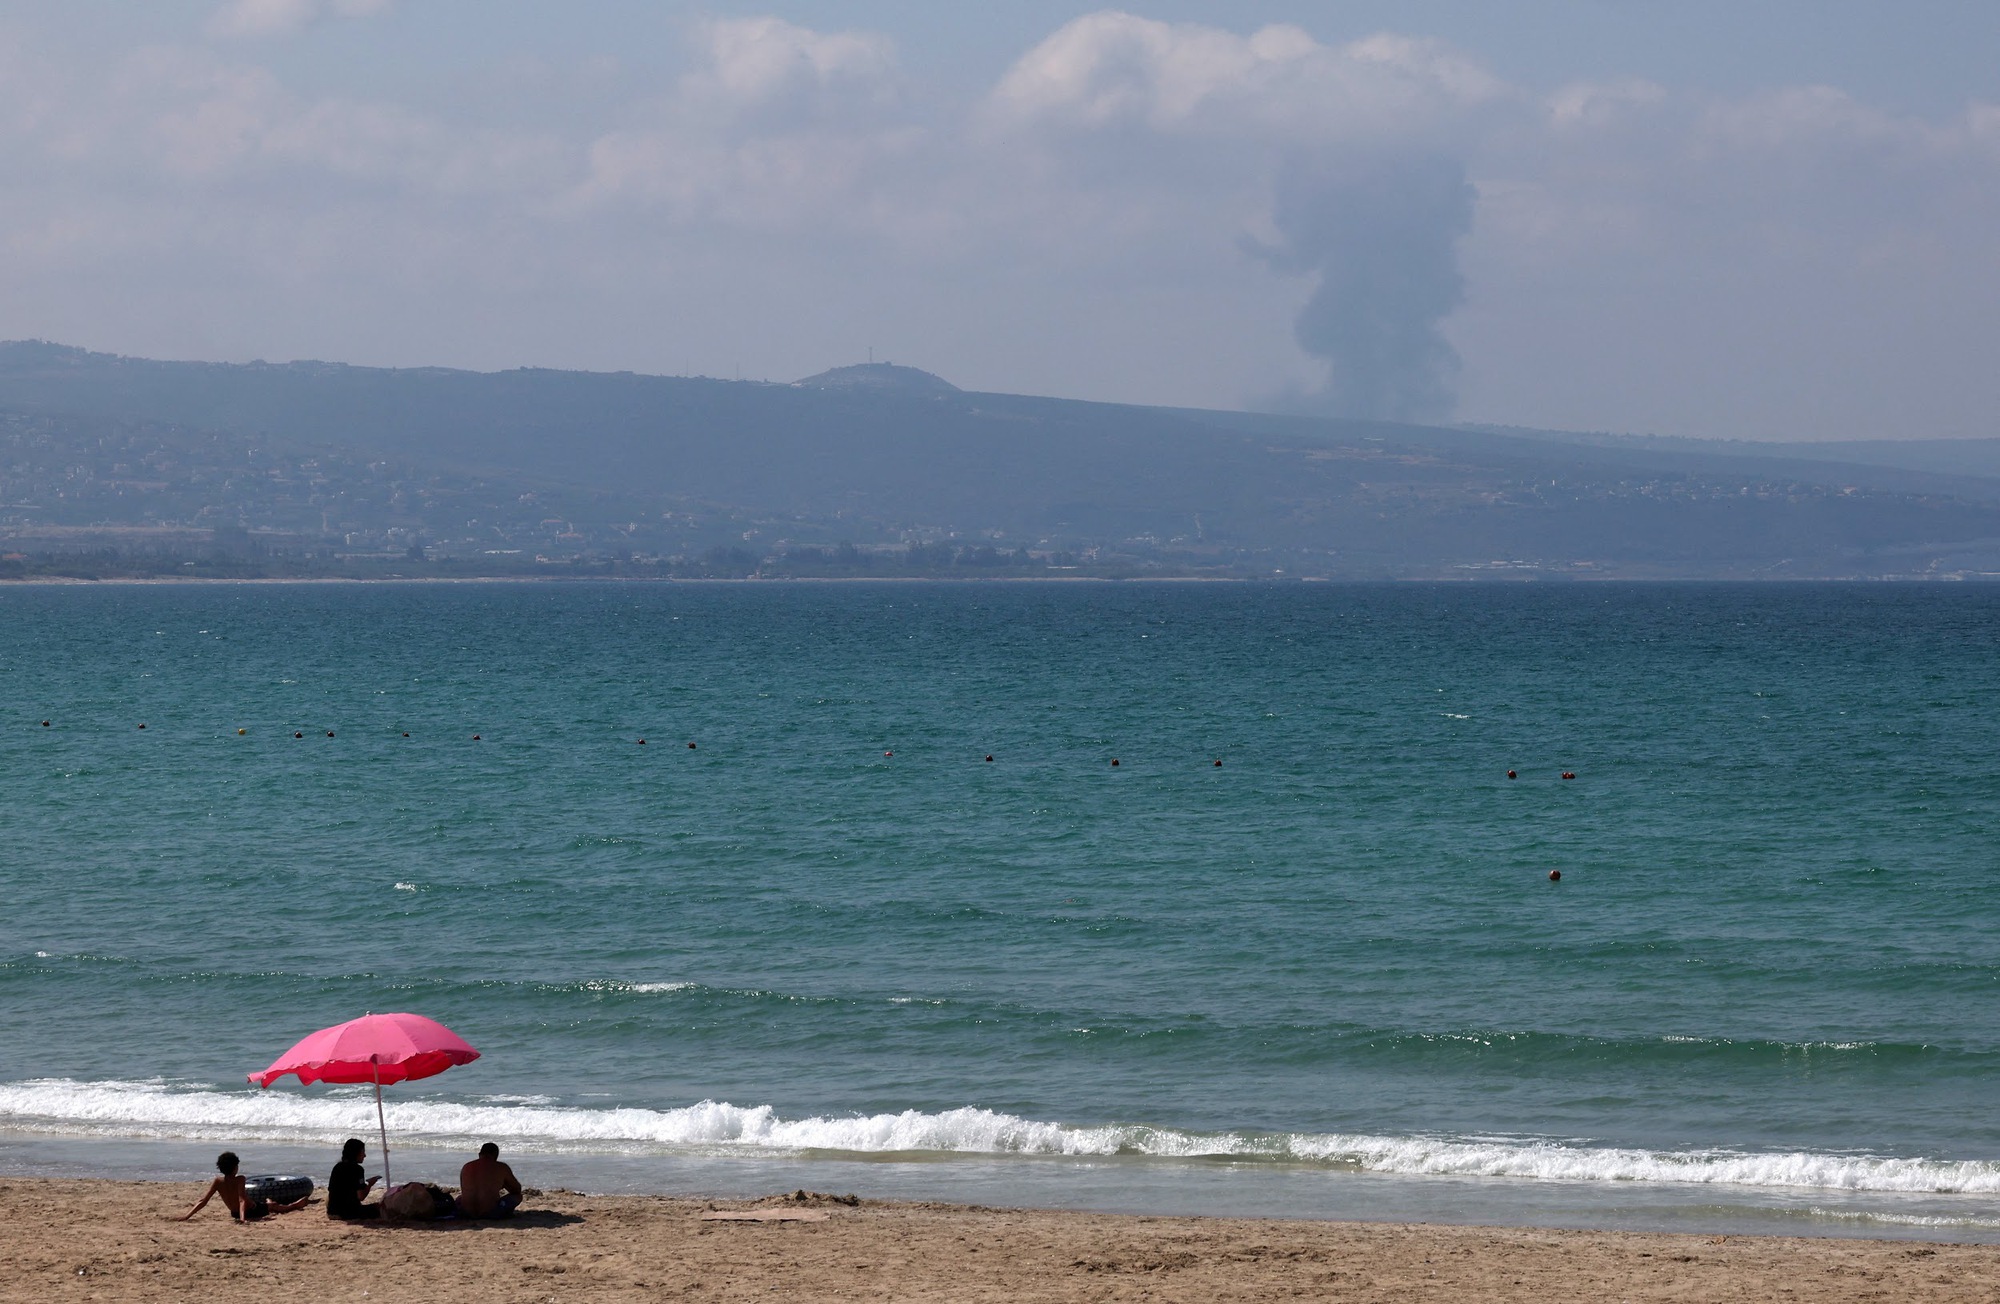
(1768, 221)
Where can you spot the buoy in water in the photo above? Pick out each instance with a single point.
(142, 726)
(1555, 876)
(1218, 765)
(475, 738)
(1510, 774)
(1114, 762)
(45, 724)
(886, 754)
(690, 746)
(298, 733)
(989, 760)
(406, 733)
(241, 732)
(642, 742)
(1569, 774)
(329, 733)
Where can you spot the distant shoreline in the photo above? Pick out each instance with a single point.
(172, 580)
(1488, 581)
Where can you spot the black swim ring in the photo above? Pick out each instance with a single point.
(278, 1189)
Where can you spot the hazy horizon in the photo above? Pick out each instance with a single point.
(1575, 216)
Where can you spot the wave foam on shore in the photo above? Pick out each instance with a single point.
(190, 1112)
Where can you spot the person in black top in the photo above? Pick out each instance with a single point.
(347, 1188)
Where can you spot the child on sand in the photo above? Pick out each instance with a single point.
(242, 1207)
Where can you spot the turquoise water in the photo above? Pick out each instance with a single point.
(1768, 974)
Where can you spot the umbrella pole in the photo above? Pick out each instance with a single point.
(381, 1123)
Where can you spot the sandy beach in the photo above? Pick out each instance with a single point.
(100, 1240)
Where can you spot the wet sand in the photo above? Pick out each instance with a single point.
(82, 1239)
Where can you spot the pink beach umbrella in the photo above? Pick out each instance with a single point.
(377, 1048)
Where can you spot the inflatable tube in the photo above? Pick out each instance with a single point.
(278, 1189)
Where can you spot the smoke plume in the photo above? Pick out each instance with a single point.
(1381, 234)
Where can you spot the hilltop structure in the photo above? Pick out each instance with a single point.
(880, 378)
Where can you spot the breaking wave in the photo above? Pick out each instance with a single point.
(181, 1111)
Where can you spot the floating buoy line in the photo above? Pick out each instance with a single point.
(1555, 875)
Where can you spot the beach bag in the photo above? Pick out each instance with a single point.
(410, 1202)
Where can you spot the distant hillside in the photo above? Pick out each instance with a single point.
(1979, 458)
(878, 458)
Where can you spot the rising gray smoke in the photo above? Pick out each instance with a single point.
(1381, 234)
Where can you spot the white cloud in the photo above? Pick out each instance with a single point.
(1602, 105)
(765, 62)
(1115, 70)
(778, 126)
(253, 18)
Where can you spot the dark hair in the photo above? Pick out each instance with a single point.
(489, 1151)
(226, 1162)
(353, 1150)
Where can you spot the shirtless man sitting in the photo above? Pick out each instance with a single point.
(242, 1207)
(488, 1188)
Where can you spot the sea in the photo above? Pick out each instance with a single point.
(1155, 897)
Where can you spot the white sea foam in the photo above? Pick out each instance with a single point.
(1903, 1219)
(164, 1110)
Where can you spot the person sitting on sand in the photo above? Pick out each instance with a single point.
(242, 1206)
(347, 1188)
(488, 1188)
